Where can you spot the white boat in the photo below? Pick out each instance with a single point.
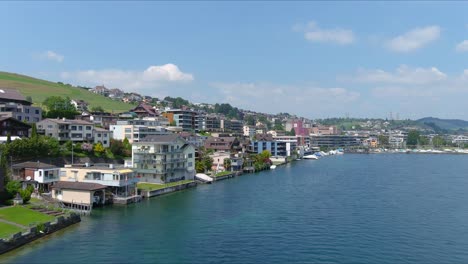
(203, 178)
(272, 167)
(312, 157)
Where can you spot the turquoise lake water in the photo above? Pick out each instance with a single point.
(395, 208)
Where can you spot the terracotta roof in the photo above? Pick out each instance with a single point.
(34, 165)
(82, 186)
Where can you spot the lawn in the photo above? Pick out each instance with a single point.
(145, 186)
(24, 216)
(6, 230)
(222, 173)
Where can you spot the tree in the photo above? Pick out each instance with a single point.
(99, 149)
(227, 164)
(438, 141)
(34, 131)
(12, 188)
(98, 109)
(29, 99)
(58, 107)
(413, 138)
(292, 132)
(383, 140)
(250, 120)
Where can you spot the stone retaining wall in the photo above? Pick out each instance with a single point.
(148, 194)
(20, 239)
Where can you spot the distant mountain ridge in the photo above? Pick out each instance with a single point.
(445, 124)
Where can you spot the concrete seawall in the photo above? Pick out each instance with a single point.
(20, 239)
(224, 177)
(166, 190)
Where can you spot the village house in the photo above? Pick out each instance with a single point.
(37, 174)
(13, 104)
(144, 110)
(228, 144)
(118, 180)
(13, 127)
(79, 105)
(74, 194)
(101, 89)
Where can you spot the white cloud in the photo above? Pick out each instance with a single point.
(313, 33)
(152, 77)
(414, 39)
(462, 46)
(53, 56)
(303, 100)
(402, 75)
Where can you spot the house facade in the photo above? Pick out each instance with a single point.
(13, 127)
(40, 175)
(163, 158)
(117, 179)
(74, 130)
(186, 119)
(227, 144)
(79, 193)
(13, 104)
(137, 129)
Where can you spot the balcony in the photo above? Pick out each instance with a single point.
(114, 183)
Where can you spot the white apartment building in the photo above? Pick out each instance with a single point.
(249, 131)
(163, 158)
(74, 130)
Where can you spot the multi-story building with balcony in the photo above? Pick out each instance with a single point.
(120, 181)
(74, 130)
(137, 129)
(163, 158)
(13, 104)
(186, 119)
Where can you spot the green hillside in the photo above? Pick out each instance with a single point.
(447, 124)
(39, 90)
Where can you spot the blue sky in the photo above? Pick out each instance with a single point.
(315, 59)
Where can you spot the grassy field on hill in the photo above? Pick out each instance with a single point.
(39, 90)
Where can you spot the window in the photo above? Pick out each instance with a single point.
(73, 127)
(99, 135)
(26, 110)
(19, 118)
(128, 130)
(190, 155)
(37, 112)
(88, 127)
(58, 192)
(80, 128)
(50, 126)
(104, 142)
(88, 135)
(190, 164)
(27, 118)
